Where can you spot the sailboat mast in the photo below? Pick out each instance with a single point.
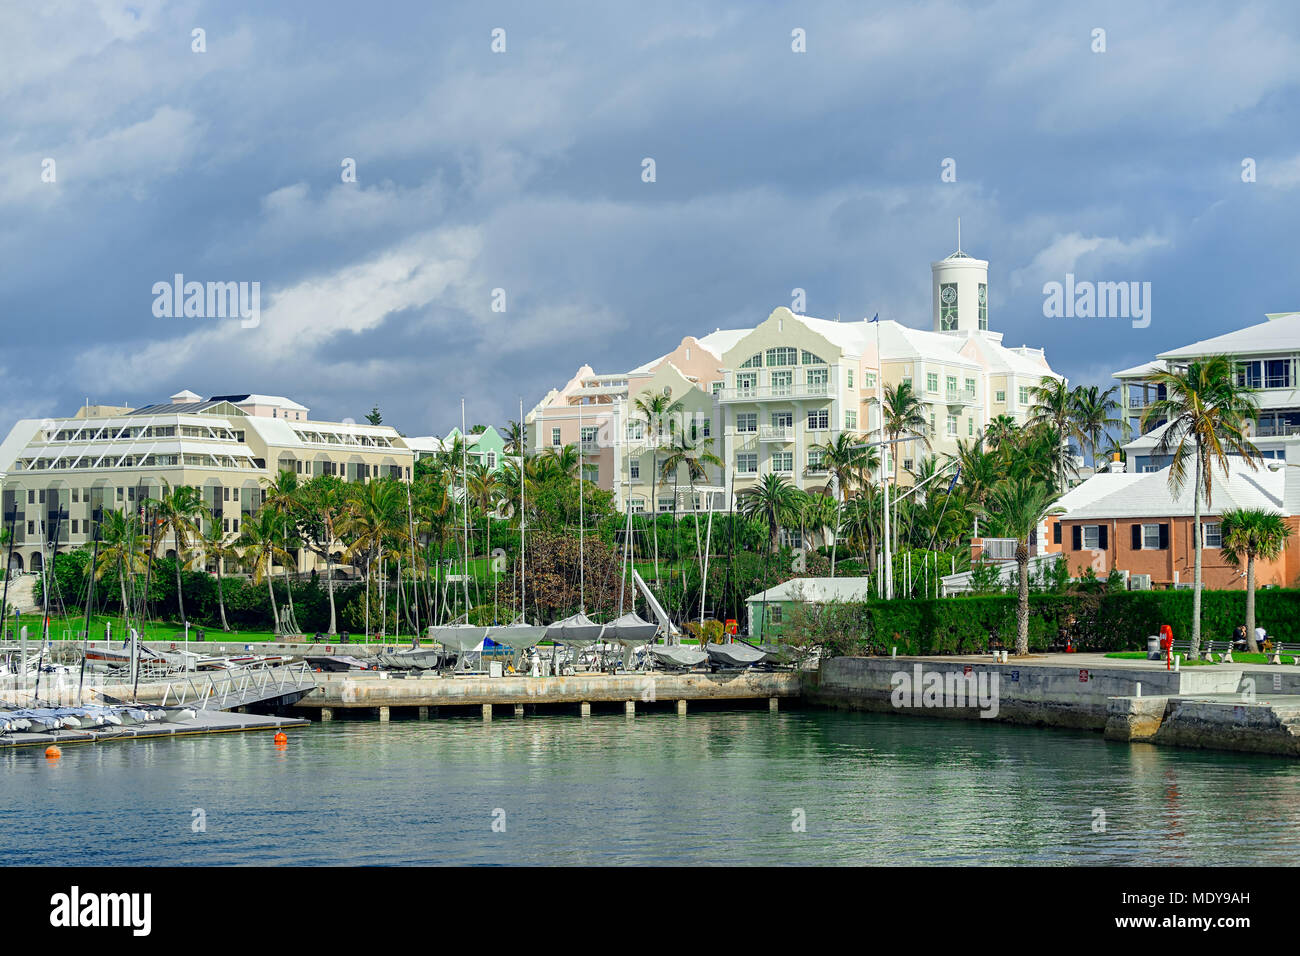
(582, 557)
(464, 500)
(415, 580)
(523, 452)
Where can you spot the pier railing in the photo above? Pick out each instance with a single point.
(238, 688)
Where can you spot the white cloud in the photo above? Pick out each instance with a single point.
(1070, 253)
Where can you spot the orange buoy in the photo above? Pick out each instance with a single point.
(281, 737)
(54, 753)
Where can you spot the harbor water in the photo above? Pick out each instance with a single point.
(739, 786)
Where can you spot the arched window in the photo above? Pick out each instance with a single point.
(754, 361)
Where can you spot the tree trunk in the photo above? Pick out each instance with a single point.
(221, 598)
(329, 578)
(1022, 603)
(835, 541)
(1251, 643)
(1195, 651)
(275, 613)
(180, 594)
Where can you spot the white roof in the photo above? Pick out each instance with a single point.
(816, 590)
(19, 437)
(185, 396)
(1149, 496)
(1141, 371)
(715, 343)
(1098, 486)
(720, 340)
(277, 401)
(1280, 334)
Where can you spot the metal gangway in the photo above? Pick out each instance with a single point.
(226, 690)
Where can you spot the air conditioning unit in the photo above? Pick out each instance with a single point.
(1139, 582)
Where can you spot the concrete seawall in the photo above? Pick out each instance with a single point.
(1028, 693)
(1254, 709)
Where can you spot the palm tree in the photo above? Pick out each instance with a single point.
(219, 547)
(904, 416)
(375, 520)
(1001, 433)
(1019, 505)
(1054, 405)
(282, 495)
(980, 470)
(655, 408)
(1252, 533)
(1094, 414)
(821, 514)
(516, 437)
(322, 504)
(178, 514)
(260, 544)
(773, 501)
(845, 459)
(693, 456)
(1208, 417)
(120, 548)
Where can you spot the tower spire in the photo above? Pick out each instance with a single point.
(959, 233)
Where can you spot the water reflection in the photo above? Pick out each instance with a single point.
(712, 787)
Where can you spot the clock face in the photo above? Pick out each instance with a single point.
(949, 295)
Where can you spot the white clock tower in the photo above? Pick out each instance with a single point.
(960, 291)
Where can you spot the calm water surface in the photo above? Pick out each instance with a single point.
(718, 787)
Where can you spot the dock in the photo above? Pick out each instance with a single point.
(206, 722)
(363, 694)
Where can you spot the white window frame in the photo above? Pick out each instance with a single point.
(1205, 534)
(1153, 529)
(1096, 537)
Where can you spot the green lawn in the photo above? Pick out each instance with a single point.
(1237, 658)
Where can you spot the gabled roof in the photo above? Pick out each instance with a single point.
(1151, 497)
(277, 401)
(1141, 371)
(1280, 334)
(816, 590)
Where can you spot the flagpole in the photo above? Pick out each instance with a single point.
(884, 477)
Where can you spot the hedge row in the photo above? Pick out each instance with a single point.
(1090, 621)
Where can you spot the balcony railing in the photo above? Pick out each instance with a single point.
(776, 433)
(765, 392)
(961, 396)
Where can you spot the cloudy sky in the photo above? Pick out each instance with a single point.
(522, 171)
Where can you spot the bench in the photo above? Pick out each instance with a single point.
(1222, 648)
(1279, 649)
(1182, 649)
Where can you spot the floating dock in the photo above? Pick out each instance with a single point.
(205, 722)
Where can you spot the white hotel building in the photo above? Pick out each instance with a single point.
(769, 395)
(55, 474)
